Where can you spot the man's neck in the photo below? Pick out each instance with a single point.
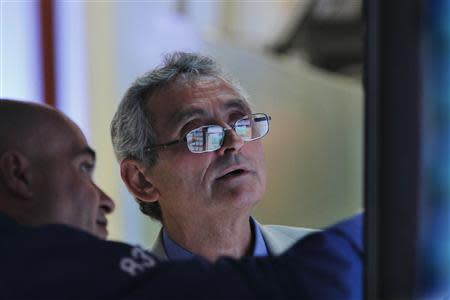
(213, 238)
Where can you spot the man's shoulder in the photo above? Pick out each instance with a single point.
(279, 237)
(350, 229)
(335, 253)
(76, 263)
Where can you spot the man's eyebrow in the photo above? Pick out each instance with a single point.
(186, 114)
(182, 115)
(237, 103)
(89, 151)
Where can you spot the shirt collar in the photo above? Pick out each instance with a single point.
(177, 252)
(174, 250)
(259, 245)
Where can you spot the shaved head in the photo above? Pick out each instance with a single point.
(46, 170)
(24, 123)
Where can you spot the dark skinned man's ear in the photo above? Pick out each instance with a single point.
(15, 173)
(138, 184)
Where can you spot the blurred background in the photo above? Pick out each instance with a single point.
(299, 60)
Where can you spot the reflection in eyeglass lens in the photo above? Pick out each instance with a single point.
(210, 138)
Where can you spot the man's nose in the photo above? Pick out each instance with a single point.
(232, 142)
(106, 203)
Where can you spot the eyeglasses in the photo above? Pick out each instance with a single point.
(209, 138)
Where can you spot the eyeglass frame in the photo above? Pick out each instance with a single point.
(225, 129)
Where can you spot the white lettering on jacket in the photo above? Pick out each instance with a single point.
(138, 261)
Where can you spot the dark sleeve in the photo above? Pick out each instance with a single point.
(323, 265)
(58, 262)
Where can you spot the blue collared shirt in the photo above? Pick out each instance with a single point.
(177, 252)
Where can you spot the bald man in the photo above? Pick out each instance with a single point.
(55, 165)
(53, 225)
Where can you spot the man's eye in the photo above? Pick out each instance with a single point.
(189, 127)
(87, 168)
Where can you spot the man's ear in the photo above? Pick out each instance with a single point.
(138, 184)
(15, 173)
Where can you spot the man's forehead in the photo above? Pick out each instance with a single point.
(198, 96)
(195, 109)
(203, 91)
(80, 146)
(66, 138)
(77, 148)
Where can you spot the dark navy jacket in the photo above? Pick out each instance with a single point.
(58, 262)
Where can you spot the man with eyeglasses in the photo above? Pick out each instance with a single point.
(190, 152)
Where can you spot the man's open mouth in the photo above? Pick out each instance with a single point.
(102, 222)
(233, 173)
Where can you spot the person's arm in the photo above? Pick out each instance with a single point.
(58, 262)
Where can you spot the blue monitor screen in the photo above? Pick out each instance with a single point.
(434, 214)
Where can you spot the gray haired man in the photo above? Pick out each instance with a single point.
(190, 151)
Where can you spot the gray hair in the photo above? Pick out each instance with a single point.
(131, 126)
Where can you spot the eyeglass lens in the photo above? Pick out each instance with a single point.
(210, 138)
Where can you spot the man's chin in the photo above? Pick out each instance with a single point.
(240, 196)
